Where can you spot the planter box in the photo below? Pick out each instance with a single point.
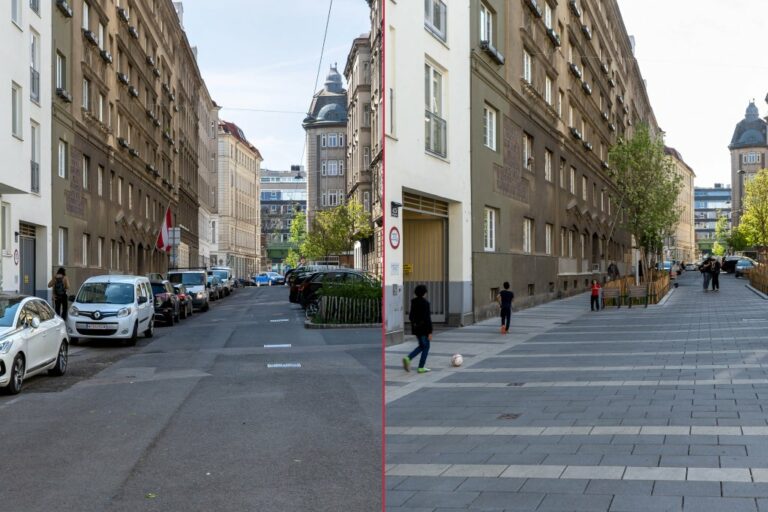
(348, 310)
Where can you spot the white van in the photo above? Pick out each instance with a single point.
(117, 307)
(227, 279)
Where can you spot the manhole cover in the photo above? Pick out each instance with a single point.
(509, 416)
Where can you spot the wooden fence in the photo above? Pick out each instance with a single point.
(758, 278)
(348, 310)
(655, 290)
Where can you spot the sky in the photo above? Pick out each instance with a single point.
(263, 54)
(703, 61)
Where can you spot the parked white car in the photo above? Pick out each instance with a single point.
(116, 307)
(32, 340)
(226, 277)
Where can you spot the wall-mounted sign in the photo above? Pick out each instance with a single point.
(394, 237)
(16, 256)
(407, 268)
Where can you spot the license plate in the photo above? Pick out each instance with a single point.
(100, 326)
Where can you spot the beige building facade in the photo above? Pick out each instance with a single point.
(681, 246)
(749, 154)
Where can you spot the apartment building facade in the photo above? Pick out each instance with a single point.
(357, 73)
(283, 195)
(681, 245)
(710, 204)
(236, 225)
(207, 172)
(325, 127)
(124, 136)
(428, 215)
(377, 132)
(749, 150)
(25, 143)
(554, 84)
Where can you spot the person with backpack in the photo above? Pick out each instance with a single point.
(715, 271)
(60, 285)
(706, 272)
(505, 298)
(420, 317)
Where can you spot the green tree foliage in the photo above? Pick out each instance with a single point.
(648, 186)
(335, 231)
(717, 249)
(754, 223)
(297, 237)
(736, 239)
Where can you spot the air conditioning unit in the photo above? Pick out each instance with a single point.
(123, 14)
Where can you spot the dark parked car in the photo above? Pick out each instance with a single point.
(308, 290)
(297, 279)
(185, 300)
(215, 289)
(166, 302)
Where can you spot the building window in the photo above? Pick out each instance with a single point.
(489, 127)
(602, 200)
(366, 114)
(86, 246)
(99, 252)
(570, 243)
(323, 167)
(85, 167)
(86, 94)
(548, 90)
(583, 245)
(750, 158)
(16, 11)
(367, 201)
(5, 228)
(16, 113)
(572, 183)
(100, 181)
(86, 16)
(332, 140)
(547, 14)
(547, 165)
(332, 168)
(35, 157)
(435, 17)
(100, 35)
(562, 173)
(584, 188)
(489, 229)
(120, 191)
(62, 164)
(527, 235)
(61, 71)
(486, 23)
(527, 152)
(341, 167)
(34, 65)
(560, 97)
(594, 195)
(366, 157)
(435, 125)
(527, 67)
(563, 242)
(548, 229)
(63, 242)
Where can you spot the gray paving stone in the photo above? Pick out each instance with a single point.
(696, 461)
(397, 498)
(663, 488)
(745, 489)
(429, 483)
(508, 501)
(492, 484)
(703, 504)
(440, 499)
(550, 485)
(635, 503)
(575, 503)
(639, 487)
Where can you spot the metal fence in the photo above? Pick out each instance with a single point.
(348, 310)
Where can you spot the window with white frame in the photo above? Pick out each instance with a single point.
(101, 35)
(367, 201)
(489, 229)
(366, 157)
(366, 114)
(570, 243)
(584, 188)
(16, 111)
(332, 140)
(100, 181)
(323, 140)
(562, 173)
(341, 140)
(548, 90)
(86, 16)
(5, 228)
(547, 14)
(527, 152)
(323, 168)
(99, 252)
(86, 246)
(563, 242)
(341, 167)
(489, 127)
(435, 18)
(548, 230)
(102, 103)
(560, 99)
(63, 242)
(527, 235)
(62, 158)
(34, 64)
(435, 125)
(572, 182)
(527, 67)
(130, 196)
(486, 23)
(16, 11)
(61, 71)
(35, 156)
(84, 170)
(750, 158)
(332, 168)
(570, 116)
(548, 165)
(86, 94)
(120, 191)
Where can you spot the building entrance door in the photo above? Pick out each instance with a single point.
(27, 259)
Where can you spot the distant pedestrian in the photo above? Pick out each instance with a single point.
(715, 271)
(613, 271)
(60, 285)
(706, 272)
(594, 302)
(505, 298)
(420, 317)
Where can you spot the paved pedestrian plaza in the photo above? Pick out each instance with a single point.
(664, 408)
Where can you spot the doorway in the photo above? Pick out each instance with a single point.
(27, 259)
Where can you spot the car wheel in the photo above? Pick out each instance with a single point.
(207, 306)
(61, 361)
(150, 332)
(190, 309)
(17, 376)
(183, 313)
(134, 336)
(73, 340)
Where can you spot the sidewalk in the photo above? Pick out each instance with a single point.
(664, 408)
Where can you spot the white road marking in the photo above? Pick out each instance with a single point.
(284, 365)
(284, 345)
(280, 320)
(586, 430)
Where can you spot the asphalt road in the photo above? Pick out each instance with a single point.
(195, 420)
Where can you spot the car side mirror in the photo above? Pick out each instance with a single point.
(35, 322)
(143, 300)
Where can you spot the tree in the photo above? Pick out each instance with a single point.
(722, 234)
(648, 186)
(335, 231)
(754, 223)
(736, 239)
(297, 238)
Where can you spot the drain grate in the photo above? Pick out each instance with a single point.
(508, 416)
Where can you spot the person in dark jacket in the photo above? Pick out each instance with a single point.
(60, 285)
(420, 317)
(505, 298)
(715, 271)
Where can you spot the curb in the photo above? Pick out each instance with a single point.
(757, 292)
(309, 325)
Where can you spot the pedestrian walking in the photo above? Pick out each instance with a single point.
(715, 271)
(420, 317)
(60, 285)
(706, 273)
(594, 302)
(505, 298)
(613, 271)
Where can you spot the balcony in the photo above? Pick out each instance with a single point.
(435, 134)
(133, 31)
(34, 85)
(133, 91)
(612, 82)
(533, 5)
(575, 70)
(612, 127)
(575, 133)
(35, 170)
(156, 72)
(151, 60)
(133, 152)
(605, 116)
(122, 142)
(64, 8)
(588, 146)
(604, 68)
(604, 165)
(553, 36)
(620, 98)
(492, 52)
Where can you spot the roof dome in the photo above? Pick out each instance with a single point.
(332, 112)
(333, 81)
(751, 131)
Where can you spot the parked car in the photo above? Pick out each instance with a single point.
(691, 266)
(729, 263)
(32, 340)
(215, 290)
(268, 279)
(225, 276)
(167, 306)
(308, 290)
(118, 307)
(297, 279)
(195, 282)
(185, 300)
(743, 266)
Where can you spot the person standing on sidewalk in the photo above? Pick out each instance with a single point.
(594, 302)
(505, 298)
(706, 274)
(715, 270)
(420, 317)
(60, 285)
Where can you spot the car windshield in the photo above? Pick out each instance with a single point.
(221, 274)
(188, 278)
(158, 288)
(105, 293)
(8, 308)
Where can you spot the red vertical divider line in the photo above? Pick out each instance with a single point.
(382, 134)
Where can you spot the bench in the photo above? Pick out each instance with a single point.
(612, 293)
(637, 292)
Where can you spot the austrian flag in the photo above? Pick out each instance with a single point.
(164, 237)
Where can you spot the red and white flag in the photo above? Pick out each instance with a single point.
(164, 237)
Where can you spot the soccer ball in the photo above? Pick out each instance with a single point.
(456, 360)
